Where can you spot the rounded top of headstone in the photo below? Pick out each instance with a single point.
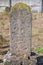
(19, 5)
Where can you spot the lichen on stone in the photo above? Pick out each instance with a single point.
(18, 5)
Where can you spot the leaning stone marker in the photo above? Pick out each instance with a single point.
(20, 36)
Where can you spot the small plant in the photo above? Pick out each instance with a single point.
(1, 40)
(39, 50)
(1, 37)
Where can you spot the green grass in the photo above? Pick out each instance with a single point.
(39, 50)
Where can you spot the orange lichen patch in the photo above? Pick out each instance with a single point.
(19, 6)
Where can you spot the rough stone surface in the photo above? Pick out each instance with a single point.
(31, 61)
(20, 40)
(20, 29)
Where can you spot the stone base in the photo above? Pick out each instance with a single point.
(12, 60)
(19, 62)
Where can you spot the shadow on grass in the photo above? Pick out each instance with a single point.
(33, 53)
(40, 60)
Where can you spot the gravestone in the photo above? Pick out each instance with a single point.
(20, 35)
(20, 29)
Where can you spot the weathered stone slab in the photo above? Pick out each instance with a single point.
(20, 40)
(20, 29)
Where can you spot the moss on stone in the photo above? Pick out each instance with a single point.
(19, 6)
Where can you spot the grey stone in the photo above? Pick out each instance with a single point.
(20, 35)
(21, 62)
(20, 29)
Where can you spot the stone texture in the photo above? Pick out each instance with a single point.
(31, 61)
(20, 29)
(20, 35)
